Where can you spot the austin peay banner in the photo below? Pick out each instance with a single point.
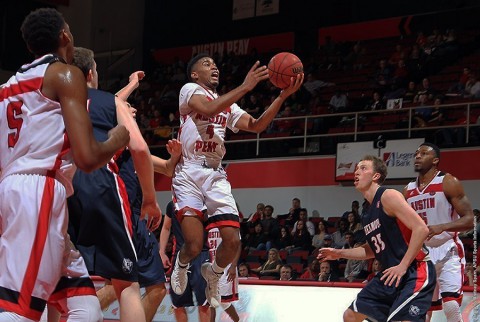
(398, 155)
(262, 44)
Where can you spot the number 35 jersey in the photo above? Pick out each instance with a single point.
(33, 137)
(387, 236)
(203, 137)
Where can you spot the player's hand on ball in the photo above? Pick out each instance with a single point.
(295, 84)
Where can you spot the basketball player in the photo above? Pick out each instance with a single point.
(228, 283)
(102, 230)
(395, 235)
(195, 284)
(200, 181)
(441, 202)
(47, 129)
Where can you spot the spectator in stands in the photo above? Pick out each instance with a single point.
(253, 105)
(426, 90)
(286, 126)
(398, 55)
(270, 226)
(355, 59)
(410, 92)
(293, 214)
(318, 238)
(375, 103)
(303, 216)
(301, 238)
(354, 224)
(286, 273)
(456, 135)
(338, 103)
(312, 271)
(376, 268)
(355, 269)
(382, 76)
(243, 270)
(257, 215)
(472, 87)
(328, 241)
(422, 114)
(349, 240)
(355, 206)
(284, 240)
(339, 235)
(327, 274)
(400, 74)
(255, 240)
(314, 85)
(459, 86)
(272, 265)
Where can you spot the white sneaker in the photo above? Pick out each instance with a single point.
(211, 291)
(179, 278)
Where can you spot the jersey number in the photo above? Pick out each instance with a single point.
(210, 131)
(378, 243)
(14, 109)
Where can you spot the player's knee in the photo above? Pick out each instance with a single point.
(452, 311)
(230, 238)
(349, 316)
(193, 248)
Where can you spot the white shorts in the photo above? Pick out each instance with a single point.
(196, 187)
(228, 290)
(34, 220)
(449, 261)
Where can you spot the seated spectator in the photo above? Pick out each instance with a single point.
(243, 270)
(426, 91)
(272, 266)
(301, 239)
(318, 238)
(312, 271)
(410, 92)
(270, 226)
(354, 222)
(284, 240)
(355, 269)
(375, 103)
(257, 215)
(459, 86)
(400, 74)
(397, 55)
(339, 235)
(383, 75)
(327, 274)
(286, 273)
(313, 85)
(253, 106)
(328, 241)
(293, 214)
(472, 87)
(255, 240)
(303, 216)
(338, 103)
(376, 268)
(349, 240)
(355, 206)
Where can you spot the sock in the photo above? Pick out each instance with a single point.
(217, 269)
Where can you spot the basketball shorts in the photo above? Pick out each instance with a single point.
(198, 187)
(409, 302)
(196, 284)
(100, 225)
(449, 263)
(150, 266)
(34, 218)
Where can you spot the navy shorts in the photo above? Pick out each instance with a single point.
(150, 267)
(97, 225)
(409, 302)
(196, 284)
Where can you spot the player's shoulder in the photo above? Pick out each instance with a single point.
(64, 73)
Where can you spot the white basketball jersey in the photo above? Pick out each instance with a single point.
(203, 137)
(33, 136)
(432, 205)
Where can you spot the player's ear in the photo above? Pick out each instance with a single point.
(194, 75)
(64, 37)
(90, 75)
(376, 176)
(436, 161)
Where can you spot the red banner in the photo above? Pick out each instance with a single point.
(262, 44)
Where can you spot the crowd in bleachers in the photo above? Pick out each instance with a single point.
(424, 69)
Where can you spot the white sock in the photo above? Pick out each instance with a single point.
(182, 265)
(217, 269)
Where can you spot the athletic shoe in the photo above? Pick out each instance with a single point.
(211, 291)
(179, 278)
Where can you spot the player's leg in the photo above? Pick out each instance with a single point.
(180, 314)
(204, 313)
(351, 316)
(231, 311)
(106, 295)
(213, 314)
(128, 295)
(152, 298)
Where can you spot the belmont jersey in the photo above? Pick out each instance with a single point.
(432, 205)
(386, 236)
(203, 137)
(32, 127)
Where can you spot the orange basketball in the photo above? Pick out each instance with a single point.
(282, 67)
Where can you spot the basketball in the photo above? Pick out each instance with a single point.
(282, 67)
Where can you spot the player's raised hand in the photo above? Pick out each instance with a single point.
(255, 75)
(136, 76)
(328, 254)
(174, 148)
(295, 84)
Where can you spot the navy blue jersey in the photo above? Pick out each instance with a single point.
(387, 236)
(104, 115)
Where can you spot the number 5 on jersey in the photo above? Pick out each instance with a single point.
(14, 109)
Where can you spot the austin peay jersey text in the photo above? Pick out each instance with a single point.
(34, 140)
(387, 236)
(203, 137)
(432, 205)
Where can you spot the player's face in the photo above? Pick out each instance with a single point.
(424, 158)
(207, 73)
(363, 175)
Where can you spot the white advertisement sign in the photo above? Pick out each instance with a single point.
(398, 155)
(243, 9)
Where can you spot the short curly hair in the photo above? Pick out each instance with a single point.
(40, 30)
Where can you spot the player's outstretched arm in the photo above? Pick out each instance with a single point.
(395, 205)
(143, 165)
(250, 124)
(133, 82)
(453, 189)
(167, 167)
(359, 253)
(202, 105)
(66, 84)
